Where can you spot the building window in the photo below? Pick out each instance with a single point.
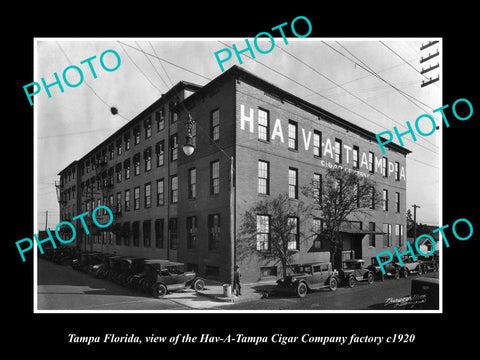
(385, 199)
(338, 151)
(159, 233)
(119, 203)
(293, 183)
(399, 231)
(317, 143)
(372, 197)
(173, 114)
(317, 187)
(111, 151)
(371, 157)
(387, 237)
(371, 237)
(148, 127)
(192, 183)
(191, 232)
(174, 189)
(263, 177)
(136, 198)
(118, 172)
(160, 192)
(172, 233)
(127, 200)
(160, 152)
(263, 232)
(292, 135)
(355, 156)
(397, 202)
(293, 243)
(147, 236)
(119, 147)
(384, 166)
(126, 167)
(397, 170)
(136, 233)
(268, 271)
(215, 124)
(136, 135)
(136, 164)
(160, 119)
(173, 147)
(147, 158)
(263, 125)
(148, 195)
(319, 243)
(214, 177)
(126, 140)
(213, 231)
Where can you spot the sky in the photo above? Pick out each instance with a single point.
(372, 82)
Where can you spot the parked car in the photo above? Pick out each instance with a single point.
(163, 276)
(84, 260)
(307, 277)
(425, 293)
(354, 270)
(411, 266)
(392, 269)
(101, 261)
(428, 263)
(129, 267)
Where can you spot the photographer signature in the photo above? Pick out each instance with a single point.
(407, 301)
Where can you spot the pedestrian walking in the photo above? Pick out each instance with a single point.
(236, 281)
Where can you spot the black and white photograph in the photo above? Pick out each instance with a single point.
(224, 181)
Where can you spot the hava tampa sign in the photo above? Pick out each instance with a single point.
(277, 134)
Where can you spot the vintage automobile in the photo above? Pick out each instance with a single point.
(392, 268)
(113, 270)
(129, 266)
(425, 293)
(100, 262)
(84, 260)
(411, 266)
(163, 276)
(354, 270)
(429, 263)
(307, 277)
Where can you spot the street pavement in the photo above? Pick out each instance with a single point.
(62, 288)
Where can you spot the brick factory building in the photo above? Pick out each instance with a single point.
(189, 208)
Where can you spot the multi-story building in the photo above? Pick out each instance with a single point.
(252, 141)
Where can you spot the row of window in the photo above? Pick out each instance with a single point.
(129, 233)
(264, 135)
(293, 186)
(321, 244)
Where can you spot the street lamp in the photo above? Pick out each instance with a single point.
(188, 147)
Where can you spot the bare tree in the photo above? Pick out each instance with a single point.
(336, 198)
(271, 230)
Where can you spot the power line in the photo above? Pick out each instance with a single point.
(154, 68)
(88, 85)
(161, 63)
(141, 71)
(370, 70)
(168, 62)
(352, 94)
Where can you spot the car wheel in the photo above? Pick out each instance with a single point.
(420, 270)
(370, 278)
(397, 274)
(351, 281)
(302, 290)
(198, 285)
(333, 283)
(406, 273)
(146, 286)
(159, 290)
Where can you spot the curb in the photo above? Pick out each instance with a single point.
(219, 298)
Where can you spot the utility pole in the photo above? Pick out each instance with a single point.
(415, 206)
(46, 220)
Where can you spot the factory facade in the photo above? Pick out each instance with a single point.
(253, 141)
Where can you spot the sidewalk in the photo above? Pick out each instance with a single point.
(251, 291)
